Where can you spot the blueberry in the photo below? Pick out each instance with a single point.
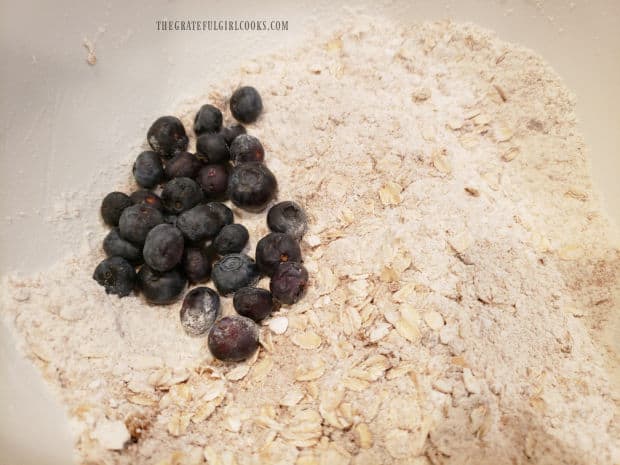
(274, 249)
(147, 197)
(233, 338)
(288, 217)
(161, 288)
(200, 309)
(180, 194)
(246, 104)
(116, 275)
(148, 170)
(224, 213)
(289, 282)
(246, 148)
(183, 165)
(115, 246)
(251, 186)
(231, 239)
(214, 180)
(167, 136)
(112, 207)
(200, 223)
(234, 271)
(163, 247)
(208, 119)
(254, 303)
(197, 264)
(137, 220)
(231, 132)
(212, 148)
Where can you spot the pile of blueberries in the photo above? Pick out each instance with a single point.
(176, 229)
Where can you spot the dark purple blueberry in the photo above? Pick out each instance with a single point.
(115, 246)
(246, 104)
(200, 223)
(234, 271)
(116, 275)
(276, 248)
(231, 132)
(208, 119)
(288, 217)
(183, 165)
(112, 207)
(181, 194)
(214, 180)
(288, 284)
(147, 197)
(246, 148)
(224, 213)
(197, 264)
(161, 288)
(167, 136)
(163, 247)
(137, 220)
(252, 186)
(231, 239)
(233, 338)
(148, 170)
(200, 309)
(212, 148)
(254, 303)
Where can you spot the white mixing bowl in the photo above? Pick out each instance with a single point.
(63, 119)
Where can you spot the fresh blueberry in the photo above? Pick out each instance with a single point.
(116, 275)
(288, 217)
(288, 284)
(214, 180)
(231, 132)
(212, 148)
(161, 288)
(148, 170)
(167, 136)
(252, 186)
(197, 264)
(182, 165)
(208, 119)
(231, 239)
(200, 223)
(246, 104)
(246, 148)
(254, 303)
(234, 271)
(180, 194)
(137, 220)
(163, 247)
(233, 338)
(200, 309)
(224, 213)
(147, 197)
(115, 246)
(113, 206)
(274, 249)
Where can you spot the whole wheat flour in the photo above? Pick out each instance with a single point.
(459, 266)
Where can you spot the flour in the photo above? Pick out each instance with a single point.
(459, 267)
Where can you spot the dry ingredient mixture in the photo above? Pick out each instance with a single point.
(460, 265)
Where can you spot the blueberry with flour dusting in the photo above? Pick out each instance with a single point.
(200, 309)
(288, 217)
